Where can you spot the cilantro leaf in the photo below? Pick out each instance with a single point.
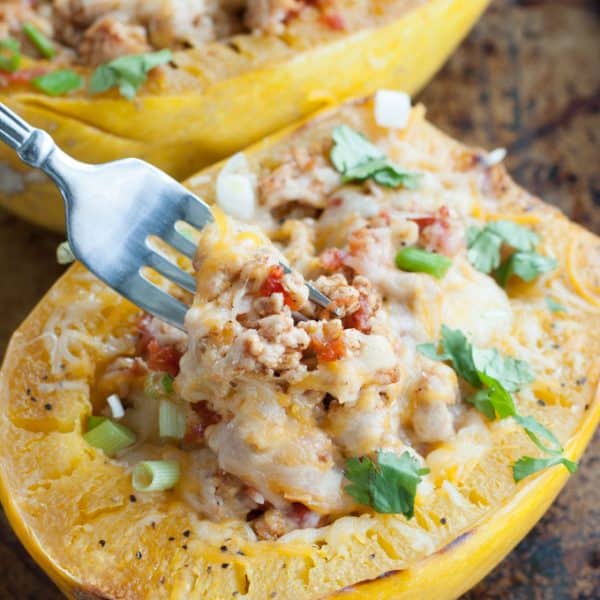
(357, 159)
(494, 400)
(510, 372)
(392, 176)
(129, 73)
(526, 265)
(515, 236)
(470, 362)
(460, 351)
(536, 432)
(352, 149)
(554, 306)
(528, 465)
(388, 485)
(484, 249)
(430, 351)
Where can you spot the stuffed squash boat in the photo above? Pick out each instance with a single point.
(394, 445)
(184, 83)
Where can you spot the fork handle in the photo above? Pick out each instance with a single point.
(14, 131)
(33, 146)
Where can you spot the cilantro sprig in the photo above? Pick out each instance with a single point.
(485, 251)
(388, 485)
(128, 73)
(357, 159)
(494, 376)
(471, 362)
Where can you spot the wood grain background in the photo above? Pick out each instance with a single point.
(528, 79)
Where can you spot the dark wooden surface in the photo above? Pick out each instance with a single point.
(527, 78)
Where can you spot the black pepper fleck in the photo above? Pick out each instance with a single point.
(443, 520)
(223, 548)
(586, 407)
(184, 546)
(171, 538)
(162, 580)
(33, 398)
(138, 555)
(581, 381)
(224, 565)
(102, 543)
(28, 391)
(48, 406)
(372, 555)
(132, 498)
(153, 525)
(187, 533)
(541, 403)
(208, 569)
(240, 553)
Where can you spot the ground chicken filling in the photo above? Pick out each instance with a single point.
(93, 32)
(278, 393)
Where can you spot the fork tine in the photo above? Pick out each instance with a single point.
(180, 242)
(171, 271)
(196, 212)
(156, 301)
(313, 293)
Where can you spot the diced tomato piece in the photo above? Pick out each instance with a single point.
(359, 319)
(441, 217)
(205, 417)
(423, 222)
(335, 21)
(273, 285)
(163, 358)
(23, 76)
(333, 259)
(329, 350)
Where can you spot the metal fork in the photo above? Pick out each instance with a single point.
(113, 211)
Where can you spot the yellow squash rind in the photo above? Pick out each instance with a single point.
(182, 132)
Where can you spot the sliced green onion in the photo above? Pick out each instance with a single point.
(167, 383)
(58, 83)
(171, 420)
(10, 54)
(158, 385)
(94, 421)
(110, 437)
(39, 40)
(421, 261)
(155, 475)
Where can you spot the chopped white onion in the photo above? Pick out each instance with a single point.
(64, 254)
(494, 157)
(116, 406)
(392, 109)
(235, 188)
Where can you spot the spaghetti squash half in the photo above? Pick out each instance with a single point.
(394, 445)
(185, 83)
